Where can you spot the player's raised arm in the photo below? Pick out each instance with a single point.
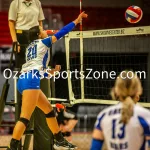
(66, 29)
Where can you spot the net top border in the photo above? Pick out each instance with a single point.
(110, 32)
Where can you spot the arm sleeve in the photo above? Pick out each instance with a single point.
(47, 41)
(66, 29)
(99, 120)
(144, 119)
(12, 14)
(41, 14)
(145, 125)
(96, 144)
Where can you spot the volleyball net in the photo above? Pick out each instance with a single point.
(94, 62)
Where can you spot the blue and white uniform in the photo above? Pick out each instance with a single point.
(37, 59)
(37, 55)
(124, 137)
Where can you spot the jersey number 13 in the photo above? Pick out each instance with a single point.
(118, 130)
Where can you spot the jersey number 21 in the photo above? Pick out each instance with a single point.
(32, 53)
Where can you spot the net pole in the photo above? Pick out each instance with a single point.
(81, 53)
(71, 95)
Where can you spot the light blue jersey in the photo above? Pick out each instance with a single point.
(124, 137)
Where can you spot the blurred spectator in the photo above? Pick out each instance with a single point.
(57, 22)
(47, 23)
(52, 21)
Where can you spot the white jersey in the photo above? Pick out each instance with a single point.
(37, 55)
(124, 137)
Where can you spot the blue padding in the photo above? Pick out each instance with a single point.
(145, 126)
(47, 41)
(66, 29)
(96, 144)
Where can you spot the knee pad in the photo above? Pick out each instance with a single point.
(50, 114)
(24, 121)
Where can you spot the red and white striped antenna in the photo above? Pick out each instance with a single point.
(80, 13)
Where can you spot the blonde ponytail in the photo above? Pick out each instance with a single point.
(127, 110)
(128, 91)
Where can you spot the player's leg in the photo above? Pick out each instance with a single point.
(68, 136)
(68, 127)
(45, 106)
(29, 102)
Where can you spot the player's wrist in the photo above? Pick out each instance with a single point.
(76, 21)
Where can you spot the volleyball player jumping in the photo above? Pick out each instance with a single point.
(37, 59)
(125, 126)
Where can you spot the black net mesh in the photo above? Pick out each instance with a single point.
(104, 58)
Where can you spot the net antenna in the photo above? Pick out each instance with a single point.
(81, 54)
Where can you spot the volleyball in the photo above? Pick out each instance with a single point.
(133, 14)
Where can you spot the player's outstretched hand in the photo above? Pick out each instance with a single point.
(66, 29)
(82, 15)
(55, 71)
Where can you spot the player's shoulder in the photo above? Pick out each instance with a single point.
(110, 109)
(47, 41)
(139, 110)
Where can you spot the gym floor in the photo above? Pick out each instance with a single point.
(81, 139)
